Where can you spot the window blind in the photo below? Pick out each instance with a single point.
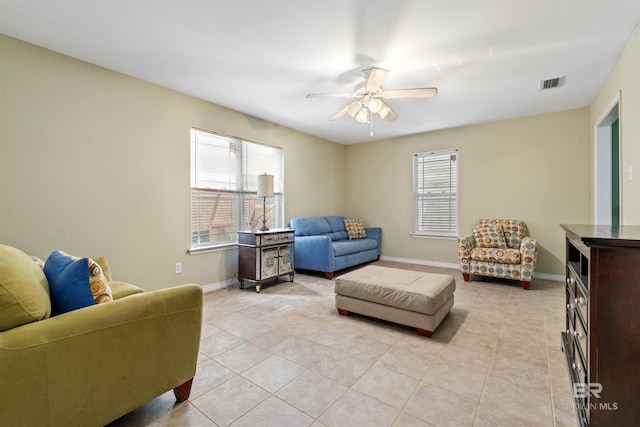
(436, 193)
(224, 187)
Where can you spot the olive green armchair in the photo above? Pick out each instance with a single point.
(90, 366)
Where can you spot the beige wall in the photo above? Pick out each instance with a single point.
(93, 162)
(535, 169)
(624, 80)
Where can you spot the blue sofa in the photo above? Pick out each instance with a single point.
(322, 244)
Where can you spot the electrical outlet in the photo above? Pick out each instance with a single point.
(178, 267)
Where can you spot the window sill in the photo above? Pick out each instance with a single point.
(433, 236)
(207, 249)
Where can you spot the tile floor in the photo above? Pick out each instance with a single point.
(284, 357)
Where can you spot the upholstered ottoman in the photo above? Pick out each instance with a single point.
(411, 298)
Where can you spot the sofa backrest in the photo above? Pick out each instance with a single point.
(514, 230)
(332, 226)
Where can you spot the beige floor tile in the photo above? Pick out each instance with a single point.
(286, 357)
(508, 395)
(343, 368)
(441, 407)
(355, 409)
(274, 412)
(229, 401)
(406, 420)
(183, 415)
(219, 343)
(312, 393)
(411, 356)
(209, 374)
(388, 386)
(273, 373)
(461, 380)
(304, 352)
(242, 357)
(492, 417)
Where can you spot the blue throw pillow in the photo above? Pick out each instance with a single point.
(68, 279)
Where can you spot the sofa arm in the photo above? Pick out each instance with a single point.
(529, 257)
(314, 253)
(465, 246)
(375, 233)
(93, 365)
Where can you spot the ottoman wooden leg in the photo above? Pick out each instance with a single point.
(343, 312)
(424, 333)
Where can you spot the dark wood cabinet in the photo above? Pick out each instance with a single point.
(264, 255)
(602, 336)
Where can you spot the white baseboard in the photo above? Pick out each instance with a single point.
(211, 287)
(544, 276)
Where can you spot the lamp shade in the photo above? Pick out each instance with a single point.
(265, 185)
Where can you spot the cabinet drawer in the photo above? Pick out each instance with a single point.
(571, 309)
(580, 337)
(578, 365)
(272, 239)
(581, 302)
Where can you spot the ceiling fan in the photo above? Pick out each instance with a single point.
(369, 93)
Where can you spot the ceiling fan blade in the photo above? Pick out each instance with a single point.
(386, 113)
(339, 114)
(391, 116)
(330, 95)
(424, 92)
(375, 78)
(352, 109)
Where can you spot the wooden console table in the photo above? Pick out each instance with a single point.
(265, 255)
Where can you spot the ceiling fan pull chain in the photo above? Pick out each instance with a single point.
(371, 121)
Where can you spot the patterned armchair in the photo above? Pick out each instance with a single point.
(498, 248)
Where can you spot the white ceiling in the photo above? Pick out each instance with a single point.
(262, 57)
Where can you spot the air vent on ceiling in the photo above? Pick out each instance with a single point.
(551, 83)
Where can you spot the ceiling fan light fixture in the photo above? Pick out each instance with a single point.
(375, 105)
(363, 115)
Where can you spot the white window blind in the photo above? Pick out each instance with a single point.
(224, 187)
(435, 189)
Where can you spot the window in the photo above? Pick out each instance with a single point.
(435, 193)
(224, 187)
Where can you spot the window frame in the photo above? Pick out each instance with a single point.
(244, 191)
(452, 222)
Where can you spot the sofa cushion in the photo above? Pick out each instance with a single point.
(489, 237)
(68, 282)
(98, 283)
(336, 222)
(347, 247)
(312, 226)
(500, 255)
(514, 231)
(24, 291)
(355, 229)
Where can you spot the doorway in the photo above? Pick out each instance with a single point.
(607, 167)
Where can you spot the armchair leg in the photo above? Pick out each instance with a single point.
(183, 391)
(329, 275)
(525, 285)
(465, 276)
